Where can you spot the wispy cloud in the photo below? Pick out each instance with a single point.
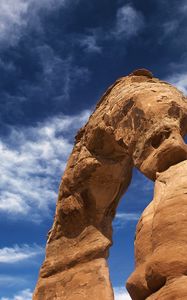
(11, 281)
(170, 27)
(51, 79)
(32, 162)
(89, 42)
(18, 16)
(120, 293)
(182, 7)
(55, 81)
(12, 20)
(129, 22)
(174, 25)
(122, 218)
(180, 81)
(23, 295)
(19, 253)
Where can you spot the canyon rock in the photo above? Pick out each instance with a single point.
(139, 121)
(161, 240)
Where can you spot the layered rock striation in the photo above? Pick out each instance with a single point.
(140, 122)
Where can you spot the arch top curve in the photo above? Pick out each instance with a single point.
(138, 122)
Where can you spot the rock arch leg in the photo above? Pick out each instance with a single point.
(161, 241)
(75, 267)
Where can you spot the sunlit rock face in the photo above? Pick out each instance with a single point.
(139, 122)
(161, 240)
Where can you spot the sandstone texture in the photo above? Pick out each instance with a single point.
(139, 121)
(161, 240)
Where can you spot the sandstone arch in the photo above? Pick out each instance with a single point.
(140, 122)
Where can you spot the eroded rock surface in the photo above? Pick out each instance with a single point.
(139, 122)
(161, 241)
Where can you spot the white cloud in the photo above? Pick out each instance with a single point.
(129, 21)
(127, 216)
(174, 25)
(11, 281)
(32, 162)
(23, 295)
(182, 7)
(17, 16)
(53, 66)
(170, 27)
(122, 218)
(12, 19)
(180, 81)
(89, 43)
(57, 78)
(17, 253)
(120, 293)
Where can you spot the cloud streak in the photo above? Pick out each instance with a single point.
(17, 253)
(11, 281)
(120, 293)
(129, 22)
(51, 82)
(122, 218)
(56, 79)
(19, 16)
(89, 43)
(23, 295)
(180, 81)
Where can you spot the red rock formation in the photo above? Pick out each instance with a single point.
(139, 121)
(161, 240)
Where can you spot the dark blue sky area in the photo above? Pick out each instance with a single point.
(57, 57)
(64, 63)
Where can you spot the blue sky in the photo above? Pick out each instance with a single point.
(57, 57)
